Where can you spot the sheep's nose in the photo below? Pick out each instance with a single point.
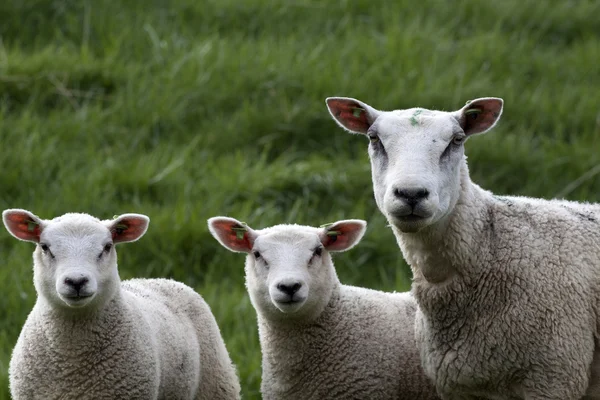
(76, 283)
(411, 196)
(289, 289)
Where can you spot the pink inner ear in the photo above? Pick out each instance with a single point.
(230, 237)
(23, 227)
(127, 229)
(473, 122)
(350, 114)
(343, 240)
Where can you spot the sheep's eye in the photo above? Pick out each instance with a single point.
(458, 140)
(318, 251)
(256, 254)
(107, 247)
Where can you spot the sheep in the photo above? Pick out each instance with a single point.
(507, 287)
(321, 339)
(91, 336)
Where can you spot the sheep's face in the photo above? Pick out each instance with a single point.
(75, 263)
(416, 155)
(289, 272)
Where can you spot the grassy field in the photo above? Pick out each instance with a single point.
(183, 110)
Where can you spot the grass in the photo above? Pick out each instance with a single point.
(184, 110)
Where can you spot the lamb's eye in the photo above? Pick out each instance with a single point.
(256, 254)
(373, 137)
(318, 251)
(44, 247)
(107, 247)
(458, 140)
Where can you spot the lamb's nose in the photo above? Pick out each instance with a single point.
(76, 283)
(289, 289)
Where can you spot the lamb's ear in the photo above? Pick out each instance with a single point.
(23, 225)
(342, 235)
(351, 114)
(479, 115)
(232, 234)
(128, 227)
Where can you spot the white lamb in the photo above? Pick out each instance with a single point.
(321, 339)
(89, 336)
(507, 286)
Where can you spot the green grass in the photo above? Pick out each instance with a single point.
(184, 110)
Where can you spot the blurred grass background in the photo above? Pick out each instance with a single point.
(184, 110)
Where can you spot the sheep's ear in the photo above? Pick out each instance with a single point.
(232, 234)
(351, 114)
(128, 227)
(342, 235)
(23, 225)
(479, 115)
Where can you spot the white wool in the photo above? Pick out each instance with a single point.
(507, 287)
(91, 336)
(326, 340)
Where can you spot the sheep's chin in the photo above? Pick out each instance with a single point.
(289, 307)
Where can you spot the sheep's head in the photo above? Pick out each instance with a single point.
(289, 272)
(416, 155)
(75, 263)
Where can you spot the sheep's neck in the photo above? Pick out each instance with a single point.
(442, 252)
(82, 328)
(292, 335)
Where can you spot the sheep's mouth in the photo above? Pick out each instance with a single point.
(78, 297)
(77, 300)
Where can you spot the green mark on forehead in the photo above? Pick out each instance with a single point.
(413, 119)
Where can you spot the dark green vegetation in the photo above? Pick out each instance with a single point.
(184, 110)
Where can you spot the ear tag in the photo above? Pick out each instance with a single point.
(326, 225)
(120, 228)
(468, 102)
(333, 235)
(473, 111)
(239, 231)
(31, 225)
(357, 111)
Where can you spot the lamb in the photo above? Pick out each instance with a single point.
(507, 287)
(91, 336)
(321, 339)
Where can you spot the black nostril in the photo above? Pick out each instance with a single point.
(76, 284)
(411, 196)
(289, 289)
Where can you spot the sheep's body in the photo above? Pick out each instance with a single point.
(320, 339)
(91, 336)
(519, 316)
(508, 287)
(158, 340)
(361, 347)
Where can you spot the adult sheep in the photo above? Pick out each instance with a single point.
(321, 339)
(507, 286)
(91, 336)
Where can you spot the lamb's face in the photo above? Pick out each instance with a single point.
(75, 263)
(416, 155)
(289, 272)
